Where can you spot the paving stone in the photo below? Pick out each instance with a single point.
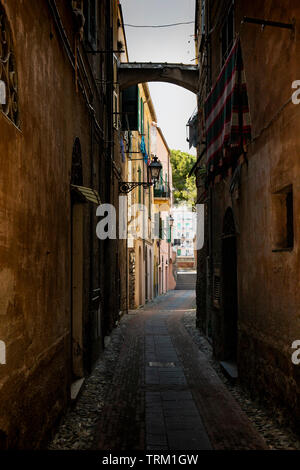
(128, 405)
(171, 395)
(183, 423)
(156, 439)
(179, 440)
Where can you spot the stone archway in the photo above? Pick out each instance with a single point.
(132, 73)
(229, 287)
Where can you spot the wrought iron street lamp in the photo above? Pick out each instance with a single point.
(171, 221)
(154, 172)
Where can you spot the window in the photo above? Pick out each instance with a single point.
(227, 35)
(203, 17)
(130, 108)
(161, 228)
(8, 74)
(90, 25)
(283, 219)
(217, 288)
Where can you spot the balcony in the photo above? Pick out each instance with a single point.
(162, 191)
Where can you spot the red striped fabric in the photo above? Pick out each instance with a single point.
(227, 117)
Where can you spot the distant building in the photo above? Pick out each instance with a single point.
(184, 230)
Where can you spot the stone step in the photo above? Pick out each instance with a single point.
(230, 370)
(186, 281)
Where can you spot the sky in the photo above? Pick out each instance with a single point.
(173, 104)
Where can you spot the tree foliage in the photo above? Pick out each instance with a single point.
(184, 187)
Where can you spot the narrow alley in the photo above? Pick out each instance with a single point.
(158, 391)
(149, 230)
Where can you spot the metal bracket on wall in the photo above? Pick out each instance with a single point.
(103, 52)
(263, 23)
(126, 186)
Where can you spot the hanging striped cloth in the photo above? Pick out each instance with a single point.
(227, 118)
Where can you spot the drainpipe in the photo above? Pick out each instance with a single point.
(91, 283)
(108, 171)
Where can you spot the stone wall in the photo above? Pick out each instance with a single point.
(267, 274)
(35, 203)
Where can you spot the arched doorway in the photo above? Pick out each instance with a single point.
(77, 258)
(229, 287)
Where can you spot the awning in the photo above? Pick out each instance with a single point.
(86, 194)
(227, 117)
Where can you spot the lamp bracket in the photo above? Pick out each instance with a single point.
(127, 186)
(263, 23)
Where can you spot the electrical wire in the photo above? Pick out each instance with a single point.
(158, 26)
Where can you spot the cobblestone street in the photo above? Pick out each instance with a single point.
(153, 389)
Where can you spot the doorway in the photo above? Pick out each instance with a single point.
(77, 290)
(140, 274)
(146, 275)
(229, 287)
(77, 260)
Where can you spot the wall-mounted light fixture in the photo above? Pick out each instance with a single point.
(154, 171)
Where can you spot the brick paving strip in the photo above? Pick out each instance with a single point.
(121, 423)
(227, 425)
(165, 395)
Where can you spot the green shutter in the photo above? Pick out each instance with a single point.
(148, 139)
(140, 192)
(169, 232)
(161, 228)
(139, 111)
(142, 116)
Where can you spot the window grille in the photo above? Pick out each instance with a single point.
(217, 288)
